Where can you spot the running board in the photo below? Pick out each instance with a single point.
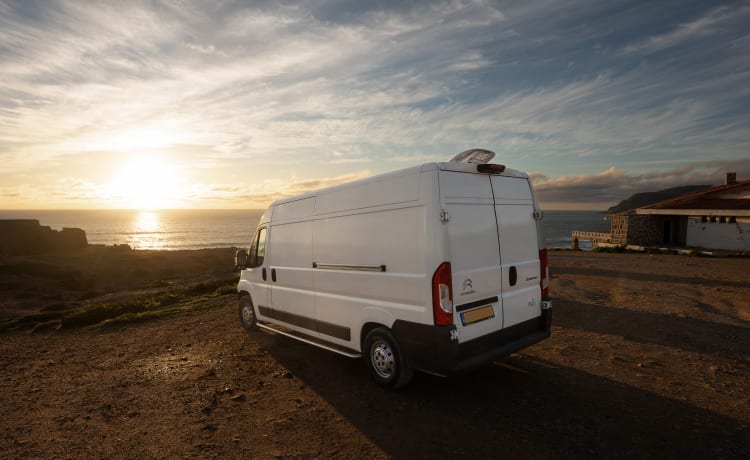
(312, 341)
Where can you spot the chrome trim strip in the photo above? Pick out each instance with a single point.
(360, 268)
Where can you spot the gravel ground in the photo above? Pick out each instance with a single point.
(649, 358)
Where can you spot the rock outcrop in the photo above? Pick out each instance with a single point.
(26, 236)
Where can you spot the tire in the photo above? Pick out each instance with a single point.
(247, 312)
(384, 360)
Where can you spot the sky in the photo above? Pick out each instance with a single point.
(229, 104)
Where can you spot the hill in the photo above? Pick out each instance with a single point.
(645, 198)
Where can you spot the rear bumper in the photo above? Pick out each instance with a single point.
(432, 348)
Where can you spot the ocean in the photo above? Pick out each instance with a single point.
(195, 229)
(557, 226)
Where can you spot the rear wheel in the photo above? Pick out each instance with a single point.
(247, 312)
(384, 359)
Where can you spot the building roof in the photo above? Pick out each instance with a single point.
(706, 202)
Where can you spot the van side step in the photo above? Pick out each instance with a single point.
(311, 340)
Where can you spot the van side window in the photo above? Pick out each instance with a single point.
(261, 254)
(258, 249)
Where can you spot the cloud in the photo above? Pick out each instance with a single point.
(254, 64)
(305, 186)
(708, 24)
(269, 94)
(613, 185)
(298, 89)
(261, 194)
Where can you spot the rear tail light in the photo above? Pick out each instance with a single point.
(442, 295)
(544, 275)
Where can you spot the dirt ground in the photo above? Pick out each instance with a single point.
(649, 358)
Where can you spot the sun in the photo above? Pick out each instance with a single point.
(146, 182)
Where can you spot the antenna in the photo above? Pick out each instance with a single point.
(475, 156)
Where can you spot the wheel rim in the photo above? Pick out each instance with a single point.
(383, 360)
(248, 315)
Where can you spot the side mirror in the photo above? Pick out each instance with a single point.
(240, 259)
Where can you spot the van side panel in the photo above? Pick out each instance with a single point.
(382, 190)
(338, 242)
(386, 240)
(294, 209)
(514, 208)
(292, 300)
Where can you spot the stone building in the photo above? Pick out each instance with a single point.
(714, 218)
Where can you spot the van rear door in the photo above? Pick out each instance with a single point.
(519, 251)
(473, 252)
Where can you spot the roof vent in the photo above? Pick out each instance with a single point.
(475, 156)
(731, 178)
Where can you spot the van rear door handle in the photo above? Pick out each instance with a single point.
(263, 272)
(513, 276)
(273, 275)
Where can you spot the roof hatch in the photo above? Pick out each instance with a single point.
(474, 156)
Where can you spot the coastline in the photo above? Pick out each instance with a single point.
(195, 229)
(76, 280)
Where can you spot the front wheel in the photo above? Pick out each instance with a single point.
(247, 313)
(384, 359)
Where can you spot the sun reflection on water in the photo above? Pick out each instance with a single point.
(147, 231)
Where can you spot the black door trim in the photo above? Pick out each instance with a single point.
(333, 330)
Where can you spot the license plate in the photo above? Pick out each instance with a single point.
(480, 314)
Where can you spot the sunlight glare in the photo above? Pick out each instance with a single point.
(146, 222)
(147, 231)
(147, 182)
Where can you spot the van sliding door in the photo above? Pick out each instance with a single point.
(290, 266)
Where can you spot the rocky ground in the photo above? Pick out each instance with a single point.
(649, 358)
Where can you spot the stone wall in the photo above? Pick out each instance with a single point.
(26, 236)
(594, 237)
(642, 230)
(619, 228)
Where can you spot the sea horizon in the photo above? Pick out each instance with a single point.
(177, 229)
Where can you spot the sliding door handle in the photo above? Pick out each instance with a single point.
(273, 275)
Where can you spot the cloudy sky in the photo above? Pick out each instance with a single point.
(228, 104)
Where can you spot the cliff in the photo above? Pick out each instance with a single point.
(26, 236)
(647, 198)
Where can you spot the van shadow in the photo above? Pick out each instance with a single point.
(685, 333)
(520, 408)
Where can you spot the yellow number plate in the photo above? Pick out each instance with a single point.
(479, 314)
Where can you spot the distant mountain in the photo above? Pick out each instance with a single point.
(646, 198)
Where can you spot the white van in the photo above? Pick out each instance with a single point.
(439, 268)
